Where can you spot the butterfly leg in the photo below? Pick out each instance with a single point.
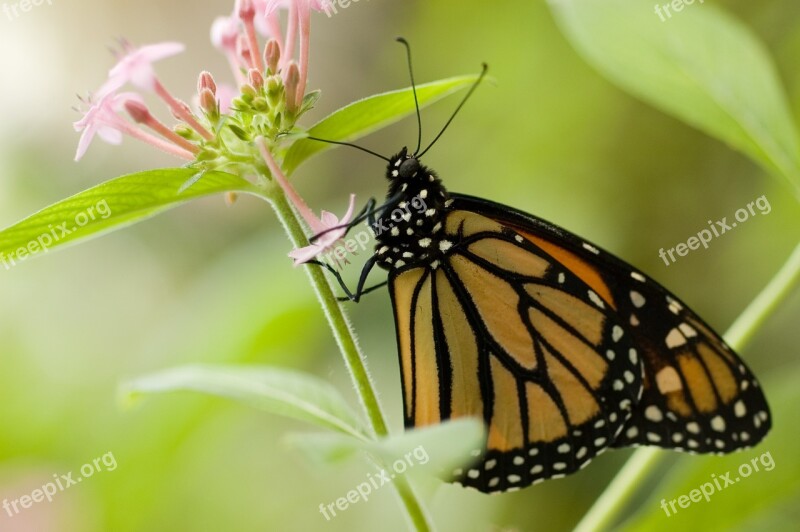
(360, 290)
(365, 291)
(337, 276)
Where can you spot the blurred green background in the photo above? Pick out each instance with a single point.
(211, 283)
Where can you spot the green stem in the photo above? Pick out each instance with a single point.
(607, 508)
(353, 358)
(340, 325)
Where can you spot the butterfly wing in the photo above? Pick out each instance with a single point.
(500, 330)
(698, 394)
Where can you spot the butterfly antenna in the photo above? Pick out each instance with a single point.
(414, 89)
(471, 90)
(356, 146)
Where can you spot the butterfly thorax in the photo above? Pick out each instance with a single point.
(409, 229)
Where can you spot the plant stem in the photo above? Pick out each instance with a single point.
(354, 359)
(606, 509)
(340, 325)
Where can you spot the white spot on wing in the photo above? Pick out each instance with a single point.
(637, 299)
(675, 339)
(596, 299)
(591, 248)
(653, 413)
(687, 330)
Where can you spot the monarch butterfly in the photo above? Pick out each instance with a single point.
(561, 348)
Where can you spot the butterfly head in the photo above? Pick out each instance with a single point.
(403, 167)
(409, 177)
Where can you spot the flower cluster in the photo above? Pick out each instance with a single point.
(238, 131)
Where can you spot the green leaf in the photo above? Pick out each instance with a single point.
(111, 205)
(754, 502)
(365, 116)
(434, 451)
(278, 391)
(700, 64)
(325, 448)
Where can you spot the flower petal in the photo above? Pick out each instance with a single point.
(224, 32)
(85, 141)
(328, 219)
(137, 66)
(155, 52)
(348, 216)
(110, 135)
(305, 254)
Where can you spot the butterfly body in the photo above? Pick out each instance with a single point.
(410, 230)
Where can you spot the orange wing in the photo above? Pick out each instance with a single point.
(502, 331)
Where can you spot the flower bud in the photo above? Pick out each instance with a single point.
(208, 103)
(290, 84)
(260, 104)
(274, 90)
(185, 131)
(272, 56)
(138, 111)
(256, 79)
(248, 92)
(206, 81)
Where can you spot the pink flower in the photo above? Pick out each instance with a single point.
(327, 221)
(328, 241)
(102, 119)
(267, 24)
(136, 66)
(224, 33)
(316, 5)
